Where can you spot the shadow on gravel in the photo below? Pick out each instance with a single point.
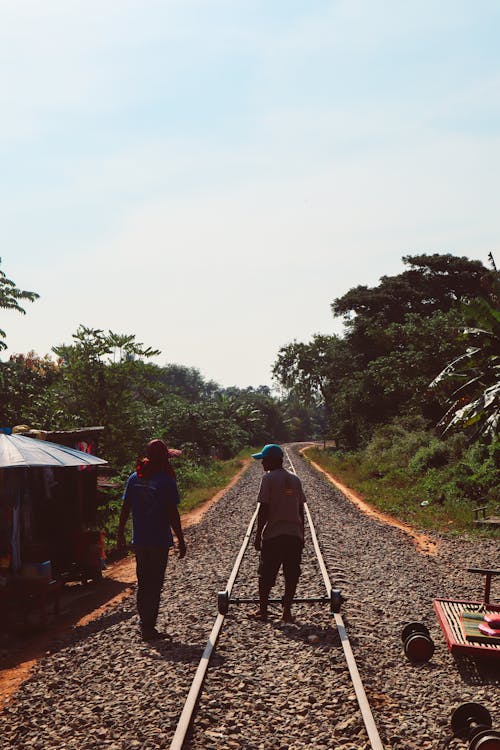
(478, 671)
(309, 634)
(104, 622)
(175, 651)
(56, 639)
(23, 642)
(80, 633)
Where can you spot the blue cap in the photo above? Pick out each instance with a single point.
(269, 451)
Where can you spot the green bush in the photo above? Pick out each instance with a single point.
(431, 456)
(406, 470)
(393, 445)
(482, 462)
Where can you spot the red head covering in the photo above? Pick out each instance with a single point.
(157, 459)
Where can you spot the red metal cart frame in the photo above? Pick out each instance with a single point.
(448, 612)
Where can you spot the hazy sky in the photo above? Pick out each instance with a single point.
(211, 175)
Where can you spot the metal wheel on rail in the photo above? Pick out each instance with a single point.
(336, 600)
(223, 602)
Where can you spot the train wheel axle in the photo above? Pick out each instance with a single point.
(418, 645)
(472, 721)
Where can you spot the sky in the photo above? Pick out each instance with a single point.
(210, 175)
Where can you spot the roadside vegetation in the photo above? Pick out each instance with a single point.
(408, 472)
(202, 484)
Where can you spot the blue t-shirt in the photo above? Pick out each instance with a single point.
(150, 500)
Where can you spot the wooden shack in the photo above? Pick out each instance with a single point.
(48, 515)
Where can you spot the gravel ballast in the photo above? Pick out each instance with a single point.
(269, 685)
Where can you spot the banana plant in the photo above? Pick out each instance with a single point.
(475, 403)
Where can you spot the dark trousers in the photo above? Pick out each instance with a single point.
(280, 551)
(151, 564)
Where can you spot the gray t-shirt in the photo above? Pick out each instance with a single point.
(282, 493)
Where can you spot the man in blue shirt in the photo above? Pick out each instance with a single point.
(152, 496)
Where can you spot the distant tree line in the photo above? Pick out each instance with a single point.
(106, 379)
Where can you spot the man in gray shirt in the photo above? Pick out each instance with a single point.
(280, 529)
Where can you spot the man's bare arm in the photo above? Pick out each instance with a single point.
(262, 517)
(124, 514)
(175, 522)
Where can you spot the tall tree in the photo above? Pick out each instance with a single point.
(27, 392)
(187, 382)
(97, 389)
(398, 335)
(432, 282)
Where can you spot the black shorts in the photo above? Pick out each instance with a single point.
(283, 550)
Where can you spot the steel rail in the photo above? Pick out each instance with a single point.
(364, 706)
(197, 683)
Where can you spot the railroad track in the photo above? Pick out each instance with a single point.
(226, 601)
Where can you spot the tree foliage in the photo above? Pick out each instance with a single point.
(104, 378)
(10, 296)
(398, 335)
(26, 384)
(431, 283)
(105, 381)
